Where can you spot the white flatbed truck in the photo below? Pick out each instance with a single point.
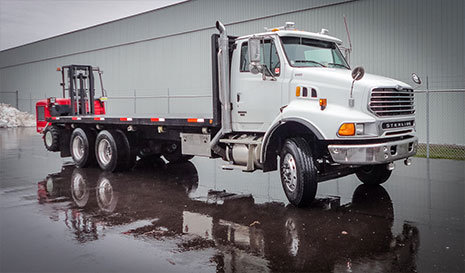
(282, 99)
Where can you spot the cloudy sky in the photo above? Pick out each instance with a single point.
(25, 21)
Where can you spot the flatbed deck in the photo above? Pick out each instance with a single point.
(140, 120)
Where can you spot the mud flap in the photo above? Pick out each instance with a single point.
(65, 137)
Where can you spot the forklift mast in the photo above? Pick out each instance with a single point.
(79, 84)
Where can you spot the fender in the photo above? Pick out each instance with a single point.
(278, 122)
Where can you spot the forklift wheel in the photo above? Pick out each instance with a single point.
(52, 138)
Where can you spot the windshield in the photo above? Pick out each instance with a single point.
(305, 52)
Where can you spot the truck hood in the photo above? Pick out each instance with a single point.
(334, 85)
(341, 78)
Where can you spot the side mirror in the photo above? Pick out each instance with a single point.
(254, 45)
(416, 79)
(358, 73)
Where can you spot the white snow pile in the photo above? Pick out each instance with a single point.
(11, 117)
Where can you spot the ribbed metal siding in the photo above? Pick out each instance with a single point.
(390, 38)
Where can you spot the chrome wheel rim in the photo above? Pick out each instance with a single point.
(104, 151)
(289, 172)
(105, 195)
(79, 189)
(48, 138)
(78, 147)
(294, 242)
(49, 185)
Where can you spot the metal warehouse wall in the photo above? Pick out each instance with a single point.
(167, 52)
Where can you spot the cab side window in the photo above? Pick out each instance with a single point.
(244, 58)
(268, 54)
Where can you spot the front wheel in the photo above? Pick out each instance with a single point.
(374, 174)
(298, 172)
(52, 138)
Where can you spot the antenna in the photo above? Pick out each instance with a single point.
(347, 50)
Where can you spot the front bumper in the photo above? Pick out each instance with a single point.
(378, 153)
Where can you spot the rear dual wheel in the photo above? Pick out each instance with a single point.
(82, 145)
(113, 151)
(172, 153)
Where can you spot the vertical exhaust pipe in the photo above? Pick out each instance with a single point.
(223, 76)
(224, 89)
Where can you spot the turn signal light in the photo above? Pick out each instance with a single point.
(297, 91)
(323, 103)
(347, 129)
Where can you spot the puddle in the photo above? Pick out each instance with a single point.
(283, 237)
(195, 217)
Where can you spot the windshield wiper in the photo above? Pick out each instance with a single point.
(340, 65)
(309, 61)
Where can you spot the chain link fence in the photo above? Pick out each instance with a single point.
(440, 120)
(440, 114)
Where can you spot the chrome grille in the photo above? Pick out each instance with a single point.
(391, 102)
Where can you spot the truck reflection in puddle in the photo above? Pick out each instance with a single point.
(246, 236)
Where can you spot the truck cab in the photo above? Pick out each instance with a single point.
(294, 92)
(307, 79)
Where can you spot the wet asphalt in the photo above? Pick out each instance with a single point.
(196, 217)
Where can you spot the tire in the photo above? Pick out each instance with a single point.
(129, 161)
(291, 231)
(81, 147)
(112, 151)
(298, 172)
(373, 174)
(52, 138)
(143, 155)
(172, 153)
(80, 188)
(372, 200)
(107, 198)
(183, 174)
(149, 163)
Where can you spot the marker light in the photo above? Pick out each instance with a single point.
(347, 129)
(323, 103)
(58, 69)
(297, 91)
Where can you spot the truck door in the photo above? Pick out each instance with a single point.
(255, 102)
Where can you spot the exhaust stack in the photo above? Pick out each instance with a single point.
(223, 76)
(224, 90)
